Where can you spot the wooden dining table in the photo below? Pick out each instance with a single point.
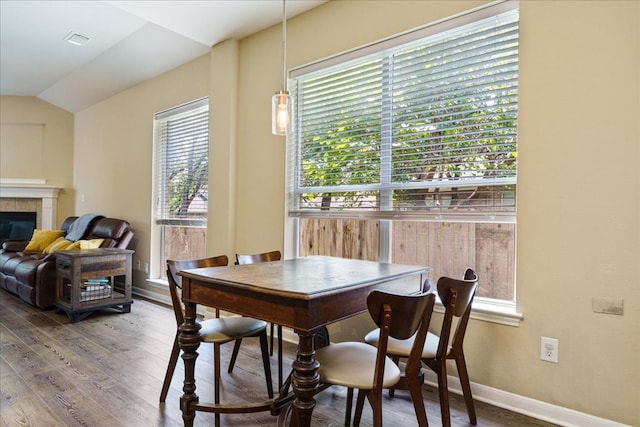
(305, 294)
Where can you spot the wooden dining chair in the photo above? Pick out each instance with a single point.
(427, 287)
(456, 297)
(254, 259)
(357, 365)
(216, 331)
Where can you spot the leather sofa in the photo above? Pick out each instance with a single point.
(32, 275)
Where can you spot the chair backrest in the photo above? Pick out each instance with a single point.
(175, 280)
(256, 258)
(400, 317)
(456, 296)
(428, 286)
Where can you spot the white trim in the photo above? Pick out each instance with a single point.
(488, 314)
(495, 311)
(159, 298)
(159, 283)
(524, 405)
(152, 296)
(489, 310)
(48, 195)
(22, 181)
(28, 192)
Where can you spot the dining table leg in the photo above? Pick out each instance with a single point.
(305, 380)
(189, 340)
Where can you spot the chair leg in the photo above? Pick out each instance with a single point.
(173, 360)
(375, 399)
(466, 387)
(216, 380)
(443, 391)
(234, 355)
(264, 347)
(359, 407)
(271, 344)
(347, 413)
(392, 390)
(414, 383)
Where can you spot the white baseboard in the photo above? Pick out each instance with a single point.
(510, 401)
(161, 299)
(493, 396)
(525, 405)
(152, 296)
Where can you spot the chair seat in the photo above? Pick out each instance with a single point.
(402, 348)
(227, 329)
(352, 364)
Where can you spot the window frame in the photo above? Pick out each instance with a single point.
(196, 113)
(500, 311)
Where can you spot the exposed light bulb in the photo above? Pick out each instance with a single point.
(282, 101)
(281, 112)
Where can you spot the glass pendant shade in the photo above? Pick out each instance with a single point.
(281, 109)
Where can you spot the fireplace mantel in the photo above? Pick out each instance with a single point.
(48, 195)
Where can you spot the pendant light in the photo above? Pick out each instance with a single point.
(282, 101)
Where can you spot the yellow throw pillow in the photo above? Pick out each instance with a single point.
(90, 244)
(41, 239)
(73, 246)
(60, 244)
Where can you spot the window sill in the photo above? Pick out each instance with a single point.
(492, 311)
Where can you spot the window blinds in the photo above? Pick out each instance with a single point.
(430, 123)
(181, 164)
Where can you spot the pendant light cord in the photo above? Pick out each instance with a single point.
(284, 46)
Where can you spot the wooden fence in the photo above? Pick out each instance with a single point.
(448, 247)
(183, 243)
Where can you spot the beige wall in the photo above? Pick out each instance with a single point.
(114, 147)
(578, 198)
(578, 208)
(36, 142)
(579, 179)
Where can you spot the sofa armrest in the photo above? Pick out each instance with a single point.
(49, 257)
(13, 246)
(125, 240)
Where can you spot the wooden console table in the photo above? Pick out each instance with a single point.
(85, 281)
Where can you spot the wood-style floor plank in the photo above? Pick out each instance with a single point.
(107, 370)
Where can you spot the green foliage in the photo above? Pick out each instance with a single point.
(420, 131)
(188, 178)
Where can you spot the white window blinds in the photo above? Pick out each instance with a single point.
(182, 164)
(429, 124)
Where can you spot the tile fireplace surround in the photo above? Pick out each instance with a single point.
(39, 198)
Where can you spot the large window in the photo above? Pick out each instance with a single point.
(412, 143)
(181, 171)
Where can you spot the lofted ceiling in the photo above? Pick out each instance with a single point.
(129, 42)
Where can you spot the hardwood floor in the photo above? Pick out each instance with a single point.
(107, 370)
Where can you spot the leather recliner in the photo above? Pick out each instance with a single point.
(32, 275)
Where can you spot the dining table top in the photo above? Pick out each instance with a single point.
(301, 293)
(305, 278)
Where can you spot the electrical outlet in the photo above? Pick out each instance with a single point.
(138, 265)
(549, 349)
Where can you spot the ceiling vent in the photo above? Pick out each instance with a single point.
(75, 38)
